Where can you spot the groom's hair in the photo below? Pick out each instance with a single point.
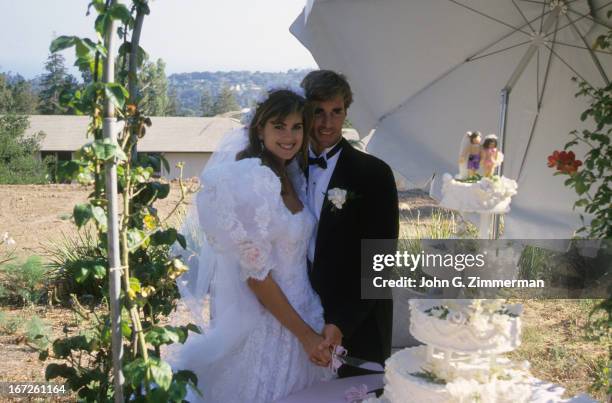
(323, 85)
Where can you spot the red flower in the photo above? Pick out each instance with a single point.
(564, 161)
(553, 159)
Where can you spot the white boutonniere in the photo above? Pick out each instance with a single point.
(338, 197)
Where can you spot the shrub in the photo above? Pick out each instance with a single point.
(73, 265)
(24, 283)
(10, 324)
(37, 333)
(19, 163)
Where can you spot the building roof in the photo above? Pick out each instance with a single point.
(167, 134)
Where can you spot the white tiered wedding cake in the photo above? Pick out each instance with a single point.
(461, 360)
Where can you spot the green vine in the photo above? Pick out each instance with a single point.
(149, 292)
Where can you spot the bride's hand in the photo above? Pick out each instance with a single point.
(317, 349)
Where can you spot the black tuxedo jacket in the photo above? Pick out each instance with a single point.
(336, 272)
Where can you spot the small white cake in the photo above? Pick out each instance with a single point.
(487, 195)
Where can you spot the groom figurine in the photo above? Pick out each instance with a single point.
(368, 210)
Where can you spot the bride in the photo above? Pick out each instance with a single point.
(265, 318)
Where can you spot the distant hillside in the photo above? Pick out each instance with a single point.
(246, 86)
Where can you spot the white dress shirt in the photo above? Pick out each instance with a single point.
(318, 180)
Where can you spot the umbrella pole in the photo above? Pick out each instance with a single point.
(505, 94)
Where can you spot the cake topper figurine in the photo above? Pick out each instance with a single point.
(490, 156)
(470, 155)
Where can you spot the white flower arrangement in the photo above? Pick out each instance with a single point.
(337, 197)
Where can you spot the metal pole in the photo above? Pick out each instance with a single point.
(109, 130)
(538, 40)
(505, 95)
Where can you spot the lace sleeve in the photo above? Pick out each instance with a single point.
(239, 208)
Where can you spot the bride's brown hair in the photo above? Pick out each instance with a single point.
(278, 105)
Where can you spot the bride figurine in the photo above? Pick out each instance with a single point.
(490, 156)
(470, 155)
(265, 318)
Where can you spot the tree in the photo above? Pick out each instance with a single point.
(207, 104)
(225, 102)
(155, 100)
(19, 163)
(54, 83)
(16, 95)
(173, 104)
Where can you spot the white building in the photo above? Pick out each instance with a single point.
(188, 139)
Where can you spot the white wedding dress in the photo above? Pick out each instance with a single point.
(247, 355)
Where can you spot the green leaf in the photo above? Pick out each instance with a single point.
(161, 372)
(180, 238)
(581, 187)
(136, 238)
(61, 43)
(167, 237)
(135, 372)
(82, 213)
(116, 93)
(82, 275)
(67, 170)
(102, 23)
(98, 271)
(135, 284)
(99, 215)
(105, 150)
(97, 4)
(120, 12)
(194, 328)
(165, 163)
(126, 330)
(162, 335)
(186, 376)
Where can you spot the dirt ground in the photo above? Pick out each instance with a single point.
(37, 215)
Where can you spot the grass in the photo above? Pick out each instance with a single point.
(555, 342)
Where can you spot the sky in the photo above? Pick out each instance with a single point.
(190, 35)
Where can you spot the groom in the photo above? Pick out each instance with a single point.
(368, 211)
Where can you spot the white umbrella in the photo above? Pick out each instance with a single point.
(426, 71)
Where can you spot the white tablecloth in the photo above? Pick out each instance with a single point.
(333, 391)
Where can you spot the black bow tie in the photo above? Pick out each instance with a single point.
(322, 161)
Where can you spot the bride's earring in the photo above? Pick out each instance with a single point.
(261, 145)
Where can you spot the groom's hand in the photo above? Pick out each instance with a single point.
(332, 335)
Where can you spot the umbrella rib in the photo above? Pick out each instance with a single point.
(540, 98)
(592, 19)
(507, 35)
(522, 15)
(538, 77)
(497, 51)
(583, 48)
(515, 29)
(581, 17)
(520, 172)
(542, 18)
(567, 64)
(547, 72)
(591, 53)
